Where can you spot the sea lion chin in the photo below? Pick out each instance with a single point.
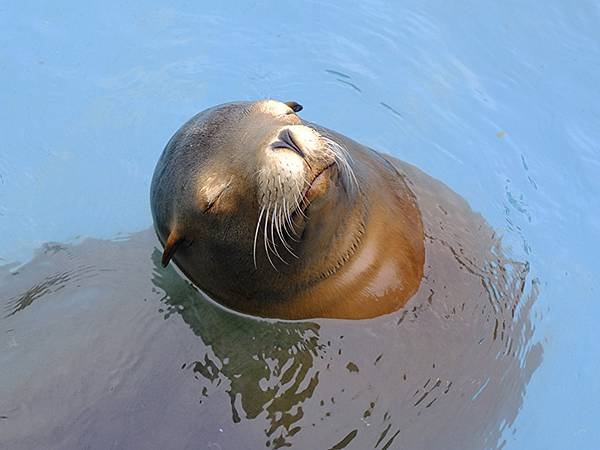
(274, 216)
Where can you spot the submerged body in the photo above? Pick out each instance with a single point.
(277, 217)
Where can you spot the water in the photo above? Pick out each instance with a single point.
(497, 101)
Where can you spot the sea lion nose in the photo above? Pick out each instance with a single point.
(286, 140)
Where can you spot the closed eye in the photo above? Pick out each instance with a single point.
(215, 198)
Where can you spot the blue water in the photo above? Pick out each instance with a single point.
(499, 100)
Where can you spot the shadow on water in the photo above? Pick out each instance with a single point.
(131, 353)
(266, 365)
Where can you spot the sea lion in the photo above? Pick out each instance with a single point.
(274, 216)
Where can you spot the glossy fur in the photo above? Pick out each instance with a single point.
(345, 239)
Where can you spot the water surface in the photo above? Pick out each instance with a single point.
(98, 347)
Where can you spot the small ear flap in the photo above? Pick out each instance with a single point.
(173, 242)
(296, 107)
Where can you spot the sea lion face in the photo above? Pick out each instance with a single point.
(240, 194)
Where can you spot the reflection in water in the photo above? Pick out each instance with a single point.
(266, 365)
(112, 336)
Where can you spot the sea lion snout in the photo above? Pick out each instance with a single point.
(291, 162)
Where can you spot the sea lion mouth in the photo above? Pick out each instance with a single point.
(315, 187)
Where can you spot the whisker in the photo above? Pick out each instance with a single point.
(262, 210)
(283, 241)
(342, 157)
(298, 207)
(273, 236)
(288, 223)
(265, 238)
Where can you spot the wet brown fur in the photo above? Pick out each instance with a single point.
(361, 252)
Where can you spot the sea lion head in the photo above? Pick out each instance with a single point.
(253, 203)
